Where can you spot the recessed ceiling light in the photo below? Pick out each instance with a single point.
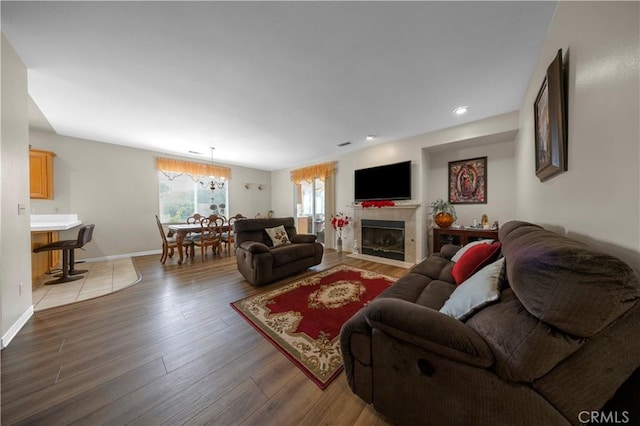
(370, 137)
(461, 110)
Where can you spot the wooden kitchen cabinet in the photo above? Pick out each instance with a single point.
(460, 237)
(41, 174)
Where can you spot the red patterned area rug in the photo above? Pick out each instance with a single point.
(303, 319)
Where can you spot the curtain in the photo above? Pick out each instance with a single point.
(318, 171)
(329, 209)
(172, 168)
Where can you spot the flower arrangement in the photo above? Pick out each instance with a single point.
(378, 204)
(339, 221)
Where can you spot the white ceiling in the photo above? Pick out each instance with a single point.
(271, 84)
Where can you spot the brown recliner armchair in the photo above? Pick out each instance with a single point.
(562, 338)
(260, 262)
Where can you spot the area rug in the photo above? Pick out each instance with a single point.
(303, 319)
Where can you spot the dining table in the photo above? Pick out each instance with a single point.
(181, 230)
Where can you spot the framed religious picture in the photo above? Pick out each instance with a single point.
(468, 181)
(550, 123)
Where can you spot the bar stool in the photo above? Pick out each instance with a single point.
(68, 247)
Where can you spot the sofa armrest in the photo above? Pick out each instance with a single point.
(254, 247)
(430, 330)
(303, 238)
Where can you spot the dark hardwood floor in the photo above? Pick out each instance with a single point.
(168, 350)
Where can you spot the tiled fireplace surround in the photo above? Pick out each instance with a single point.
(399, 212)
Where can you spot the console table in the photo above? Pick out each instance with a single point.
(460, 236)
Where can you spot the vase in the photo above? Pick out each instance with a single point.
(339, 245)
(443, 220)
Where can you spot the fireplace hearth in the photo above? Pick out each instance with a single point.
(383, 238)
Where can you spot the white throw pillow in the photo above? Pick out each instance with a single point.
(278, 235)
(476, 292)
(460, 252)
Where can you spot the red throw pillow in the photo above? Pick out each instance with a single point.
(473, 260)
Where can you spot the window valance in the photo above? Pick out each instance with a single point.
(318, 171)
(195, 170)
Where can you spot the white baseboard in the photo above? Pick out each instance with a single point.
(15, 328)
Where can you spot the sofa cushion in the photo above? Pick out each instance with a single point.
(288, 253)
(435, 294)
(436, 268)
(524, 347)
(475, 293)
(558, 279)
(474, 259)
(278, 235)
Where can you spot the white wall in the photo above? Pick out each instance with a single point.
(15, 245)
(461, 139)
(598, 199)
(116, 188)
(500, 204)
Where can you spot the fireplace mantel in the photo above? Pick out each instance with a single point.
(397, 206)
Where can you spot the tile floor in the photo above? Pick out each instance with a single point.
(102, 278)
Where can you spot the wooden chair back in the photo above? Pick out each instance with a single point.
(161, 229)
(196, 218)
(210, 234)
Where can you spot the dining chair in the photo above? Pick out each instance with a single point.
(196, 218)
(219, 219)
(169, 243)
(228, 235)
(216, 217)
(211, 228)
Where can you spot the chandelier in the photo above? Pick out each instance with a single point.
(216, 183)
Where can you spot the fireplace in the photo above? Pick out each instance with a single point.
(383, 238)
(401, 218)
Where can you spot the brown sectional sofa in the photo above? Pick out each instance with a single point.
(562, 338)
(260, 262)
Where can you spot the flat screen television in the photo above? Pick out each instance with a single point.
(387, 182)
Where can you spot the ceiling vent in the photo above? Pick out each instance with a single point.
(344, 144)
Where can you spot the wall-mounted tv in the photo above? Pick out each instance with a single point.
(387, 182)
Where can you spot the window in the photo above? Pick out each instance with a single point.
(181, 197)
(184, 189)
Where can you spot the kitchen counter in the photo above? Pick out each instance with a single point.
(54, 222)
(44, 230)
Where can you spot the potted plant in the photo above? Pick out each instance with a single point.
(444, 214)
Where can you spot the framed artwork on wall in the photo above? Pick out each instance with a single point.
(468, 181)
(550, 123)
